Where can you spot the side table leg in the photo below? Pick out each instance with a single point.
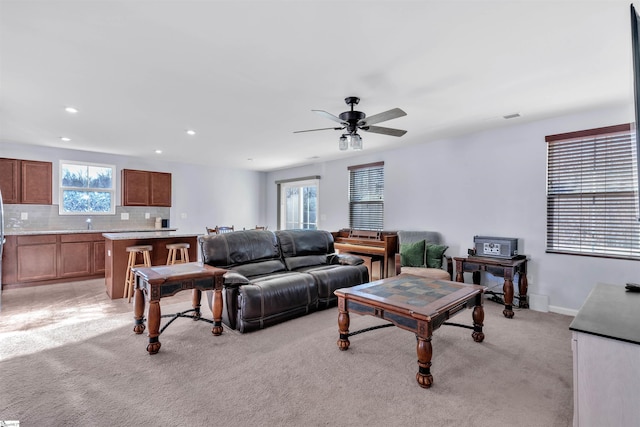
(196, 295)
(343, 325)
(424, 350)
(478, 320)
(138, 311)
(523, 286)
(154, 327)
(216, 310)
(508, 298)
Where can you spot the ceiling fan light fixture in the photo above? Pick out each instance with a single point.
(343, 143)
(356, 141)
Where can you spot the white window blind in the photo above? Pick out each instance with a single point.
(592, 193)
(366, 196)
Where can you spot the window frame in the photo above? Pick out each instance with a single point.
(590, 174)
(62, 188)
(282, 200)
(365, 212)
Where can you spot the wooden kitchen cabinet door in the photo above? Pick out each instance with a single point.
(160, 189)
(135, 187)
(35, 186)
(10, 180)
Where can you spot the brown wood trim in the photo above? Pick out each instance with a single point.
(368, 165)
(589, 132)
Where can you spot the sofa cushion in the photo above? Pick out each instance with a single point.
(260, 268)
(330, 277)
(412, 254)
(431, 273)
(296, 243)
(275, 297)
(304, 261)
(435, 254)
(239, 247)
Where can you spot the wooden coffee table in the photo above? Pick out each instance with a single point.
(414, 303)
(155, 283)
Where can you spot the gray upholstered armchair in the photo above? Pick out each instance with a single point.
(422, 253)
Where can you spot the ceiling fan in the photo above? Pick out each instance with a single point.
(353, 120)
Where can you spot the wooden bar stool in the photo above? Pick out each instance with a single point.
(146, 262)
(174, 249)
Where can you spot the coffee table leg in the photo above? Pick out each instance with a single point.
(196, 295)
(478, 320)
(138, 311)
(154, 327)
(508, 298)
(343, 325)
(424, 350)
(216, 310)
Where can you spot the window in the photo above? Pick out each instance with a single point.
(299, 203)
(592, 193)
(87, 188)
(366, 196)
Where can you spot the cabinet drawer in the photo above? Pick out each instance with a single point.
(37, 239)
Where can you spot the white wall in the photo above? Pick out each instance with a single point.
(489, 183)
(201, 195)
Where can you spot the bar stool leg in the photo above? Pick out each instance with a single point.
(127, 282)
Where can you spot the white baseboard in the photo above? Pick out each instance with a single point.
(563, 310)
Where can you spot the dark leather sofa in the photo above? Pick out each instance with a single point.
(276, 276)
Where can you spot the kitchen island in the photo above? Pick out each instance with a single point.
(116, 256)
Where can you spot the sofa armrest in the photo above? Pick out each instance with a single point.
(449, 266)
(344, 259)
(234, 279)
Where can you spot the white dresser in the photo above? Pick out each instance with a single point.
(606, 359)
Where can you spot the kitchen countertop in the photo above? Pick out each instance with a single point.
(611, 312)
(35, 232)
(151, 234)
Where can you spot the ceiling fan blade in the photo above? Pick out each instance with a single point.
(330, 116)
(313, 130)
(382, 117)
(384, 131)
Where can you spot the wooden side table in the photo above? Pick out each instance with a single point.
(499, 267)
(155, 283)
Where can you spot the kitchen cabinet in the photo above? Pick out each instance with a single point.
(36, 258)
(26, 181)
(146, 188)
(10, 180)
(51, 258)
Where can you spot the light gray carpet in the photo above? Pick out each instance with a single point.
(97, 373)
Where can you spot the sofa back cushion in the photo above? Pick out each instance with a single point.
(302, 248)
(242, 247)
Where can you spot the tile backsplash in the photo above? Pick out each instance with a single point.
(46, 217)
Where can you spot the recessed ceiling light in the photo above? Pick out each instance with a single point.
(71, 110)
(65, 139)
(158, 151)
(191, 132)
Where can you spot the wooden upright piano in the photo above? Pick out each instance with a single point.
(379, 245)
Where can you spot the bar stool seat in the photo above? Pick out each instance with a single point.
(174, 250)
(146, 262)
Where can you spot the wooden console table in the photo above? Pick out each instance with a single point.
(163, 281)
(499, 267)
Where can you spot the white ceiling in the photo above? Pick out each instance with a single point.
(246, 74)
